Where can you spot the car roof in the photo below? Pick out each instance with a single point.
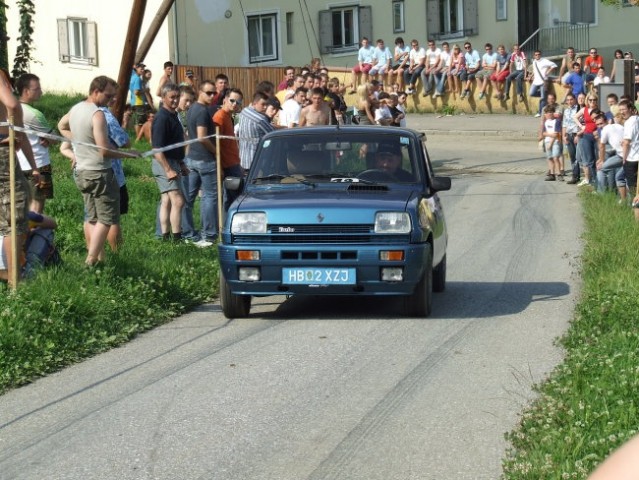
(350, 129)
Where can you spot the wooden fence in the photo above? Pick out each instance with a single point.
(246, 78)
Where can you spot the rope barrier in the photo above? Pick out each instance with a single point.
(124, 153)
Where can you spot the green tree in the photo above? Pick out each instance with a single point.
(4, 51)
(23, 51)
(618, 3)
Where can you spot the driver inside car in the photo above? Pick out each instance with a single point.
(388, 159)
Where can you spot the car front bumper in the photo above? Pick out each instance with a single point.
(363, 261)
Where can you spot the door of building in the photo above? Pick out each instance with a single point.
(527, 18)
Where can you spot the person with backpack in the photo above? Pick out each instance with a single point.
(39, 248)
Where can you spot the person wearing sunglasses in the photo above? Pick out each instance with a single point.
(201, 162)
(473, 65)
(592, 64)
(229, 151)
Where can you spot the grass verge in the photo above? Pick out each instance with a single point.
(68, 313)
(589, 405)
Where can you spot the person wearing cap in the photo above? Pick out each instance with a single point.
(139, 102)
(273, 107)
(388, 159)
(189, 79)
(317, 112)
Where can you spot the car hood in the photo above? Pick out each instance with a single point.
(322, 206)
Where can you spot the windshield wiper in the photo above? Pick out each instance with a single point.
(280, 177)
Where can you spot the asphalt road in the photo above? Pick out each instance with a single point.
(310, 388)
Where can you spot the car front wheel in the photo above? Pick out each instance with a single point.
(420, 303)
(233, 306)
(439, 276)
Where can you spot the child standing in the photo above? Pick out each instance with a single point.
(551, 133)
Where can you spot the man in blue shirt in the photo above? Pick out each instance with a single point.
(575, 80)
(139, 104)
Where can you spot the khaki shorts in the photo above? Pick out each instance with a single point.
(22, 197)
(140, 113)
(484, 74)
(101, 195)
(44, 190)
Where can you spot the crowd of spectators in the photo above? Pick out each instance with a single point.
(603, 148)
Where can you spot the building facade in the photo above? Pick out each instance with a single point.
(75, 41)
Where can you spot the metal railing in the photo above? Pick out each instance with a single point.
(555, 40)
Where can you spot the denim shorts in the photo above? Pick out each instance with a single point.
(555, 151)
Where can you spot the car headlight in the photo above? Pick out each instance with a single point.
(392, 222)
(249, 222)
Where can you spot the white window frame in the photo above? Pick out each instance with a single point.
(355, 27)
(446, 8)
(398, 10)
(273, 17)
(77, 41)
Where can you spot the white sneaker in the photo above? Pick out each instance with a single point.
(583, 183)
(203, 243)
(537, 115)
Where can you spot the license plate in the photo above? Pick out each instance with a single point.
(318, 276)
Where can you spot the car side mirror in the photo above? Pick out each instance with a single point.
(440, 184)
(233, 183)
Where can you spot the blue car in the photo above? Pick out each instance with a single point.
(335, 210)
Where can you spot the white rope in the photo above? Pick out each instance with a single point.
(129, 154)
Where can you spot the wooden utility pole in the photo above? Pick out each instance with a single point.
(156, 23)
(128, 55)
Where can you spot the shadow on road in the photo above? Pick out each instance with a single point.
(461, 300)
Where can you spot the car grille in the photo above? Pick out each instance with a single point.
(313, 234)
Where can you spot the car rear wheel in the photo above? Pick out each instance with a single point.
(420, 303)
(439, 276)
(233, 306)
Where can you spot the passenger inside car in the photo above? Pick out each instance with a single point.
(307, 162)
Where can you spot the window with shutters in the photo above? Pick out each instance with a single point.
(262, 37)
(77, 41)
(583, 11)
(447, 19)
(341, 28)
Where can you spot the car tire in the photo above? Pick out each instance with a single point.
(233, 306)
(439, 276)
(420, 302)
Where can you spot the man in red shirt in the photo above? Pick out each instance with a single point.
(229, 150)
(592, 64)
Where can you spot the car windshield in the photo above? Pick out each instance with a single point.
(345, 157)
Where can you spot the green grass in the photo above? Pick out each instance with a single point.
(589, 405)
(68, 313)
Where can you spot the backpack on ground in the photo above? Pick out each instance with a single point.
(40, 251)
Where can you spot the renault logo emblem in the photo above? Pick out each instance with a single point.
(320, 217)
